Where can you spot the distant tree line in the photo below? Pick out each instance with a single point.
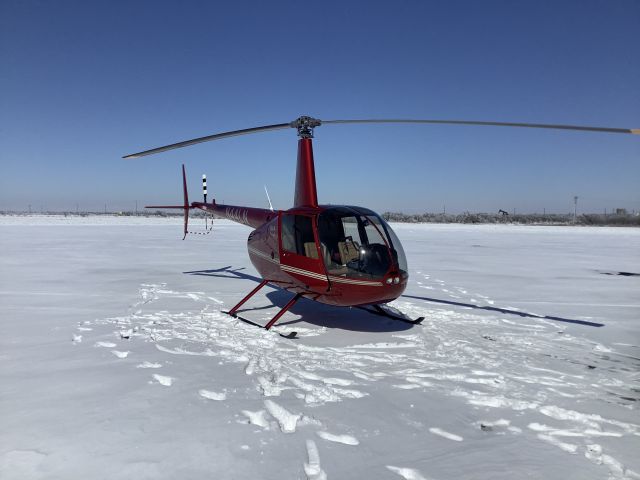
(613, 219)
(521, 218)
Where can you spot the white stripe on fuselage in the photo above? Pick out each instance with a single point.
(314, 275)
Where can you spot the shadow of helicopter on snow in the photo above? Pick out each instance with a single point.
(506, 311)
(311, 312)
(327, 316)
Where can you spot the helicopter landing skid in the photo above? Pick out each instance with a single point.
(290, 335)
(378, 310)
(277, 316)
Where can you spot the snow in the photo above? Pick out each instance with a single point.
(149, 365)
(406, 473)
(257, 418)
(163, 380)
(447, 435)
(218, 396)
(285, 418)
(498, 382)
(344, 439)
(312, 467)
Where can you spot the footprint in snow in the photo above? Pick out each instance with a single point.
(119, 354)
(285, 418)
(257, 418)
(445, 434)
(268, 388)
(76, 339)
(213, 299)
(406, 386)
(407, 473)
(208, 394)
(162, 380)
(126, 334)
(312, 468)
(250, 368)
(149, 365)
(567, 447)
(344, 439)
(343, 382)
(498, 426)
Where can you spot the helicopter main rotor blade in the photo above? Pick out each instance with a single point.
(493, 124)
(208, 138)
(305, 127)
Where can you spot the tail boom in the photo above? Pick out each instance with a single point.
(251, 217)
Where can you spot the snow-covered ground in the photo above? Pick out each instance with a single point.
(117, 363)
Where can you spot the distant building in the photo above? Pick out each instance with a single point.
(621, 211)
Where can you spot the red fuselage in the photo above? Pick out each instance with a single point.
(339, 255)
(307, 270)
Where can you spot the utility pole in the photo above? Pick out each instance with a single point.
(29, 209)
(575, 209)
(136, 207)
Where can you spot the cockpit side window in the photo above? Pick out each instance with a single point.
(297, 235)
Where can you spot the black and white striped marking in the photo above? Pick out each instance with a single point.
(204, 187)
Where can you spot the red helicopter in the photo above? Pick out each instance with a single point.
(339, 255)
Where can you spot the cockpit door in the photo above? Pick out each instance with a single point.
(300, 255)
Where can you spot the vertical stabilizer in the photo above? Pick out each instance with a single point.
(306, 193)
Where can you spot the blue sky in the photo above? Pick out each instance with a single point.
(84, 83)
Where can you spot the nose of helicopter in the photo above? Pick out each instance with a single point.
(393, 286)
(374, 293)
(388, 293)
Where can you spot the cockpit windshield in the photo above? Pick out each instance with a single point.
(357, 242)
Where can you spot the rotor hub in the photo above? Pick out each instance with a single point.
(305, 126)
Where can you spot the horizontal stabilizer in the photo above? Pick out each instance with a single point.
(184, 206)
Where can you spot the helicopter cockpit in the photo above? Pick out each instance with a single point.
(351, 242)
(356, 242)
